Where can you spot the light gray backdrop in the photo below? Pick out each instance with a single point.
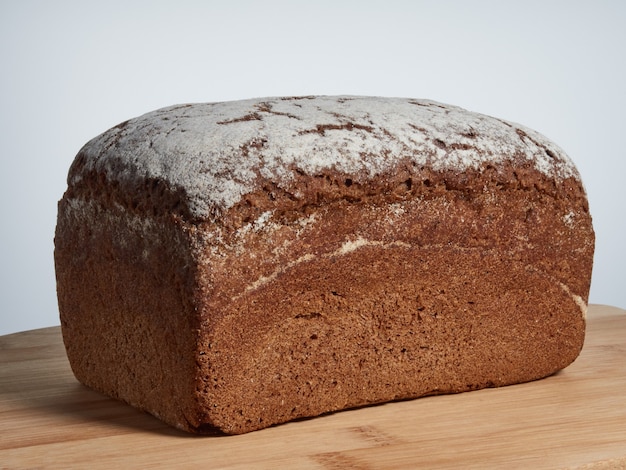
(72, 69)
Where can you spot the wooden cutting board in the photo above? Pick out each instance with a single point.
(574, 419)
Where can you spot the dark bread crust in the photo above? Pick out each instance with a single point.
(453, 292)
(332, 292)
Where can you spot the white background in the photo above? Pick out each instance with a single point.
(72, 69)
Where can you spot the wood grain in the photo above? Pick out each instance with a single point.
(574, 419)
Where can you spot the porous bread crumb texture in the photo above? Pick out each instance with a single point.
(212, 154)
(322, 291)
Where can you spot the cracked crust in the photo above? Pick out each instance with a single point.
(453, 254)
(215, 153)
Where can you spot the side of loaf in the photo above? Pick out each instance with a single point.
(231, 266)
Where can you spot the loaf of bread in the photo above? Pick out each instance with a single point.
(231, 266)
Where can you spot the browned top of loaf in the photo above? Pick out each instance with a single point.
(207, 156)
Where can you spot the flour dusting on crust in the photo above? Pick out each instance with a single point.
(217, 152)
